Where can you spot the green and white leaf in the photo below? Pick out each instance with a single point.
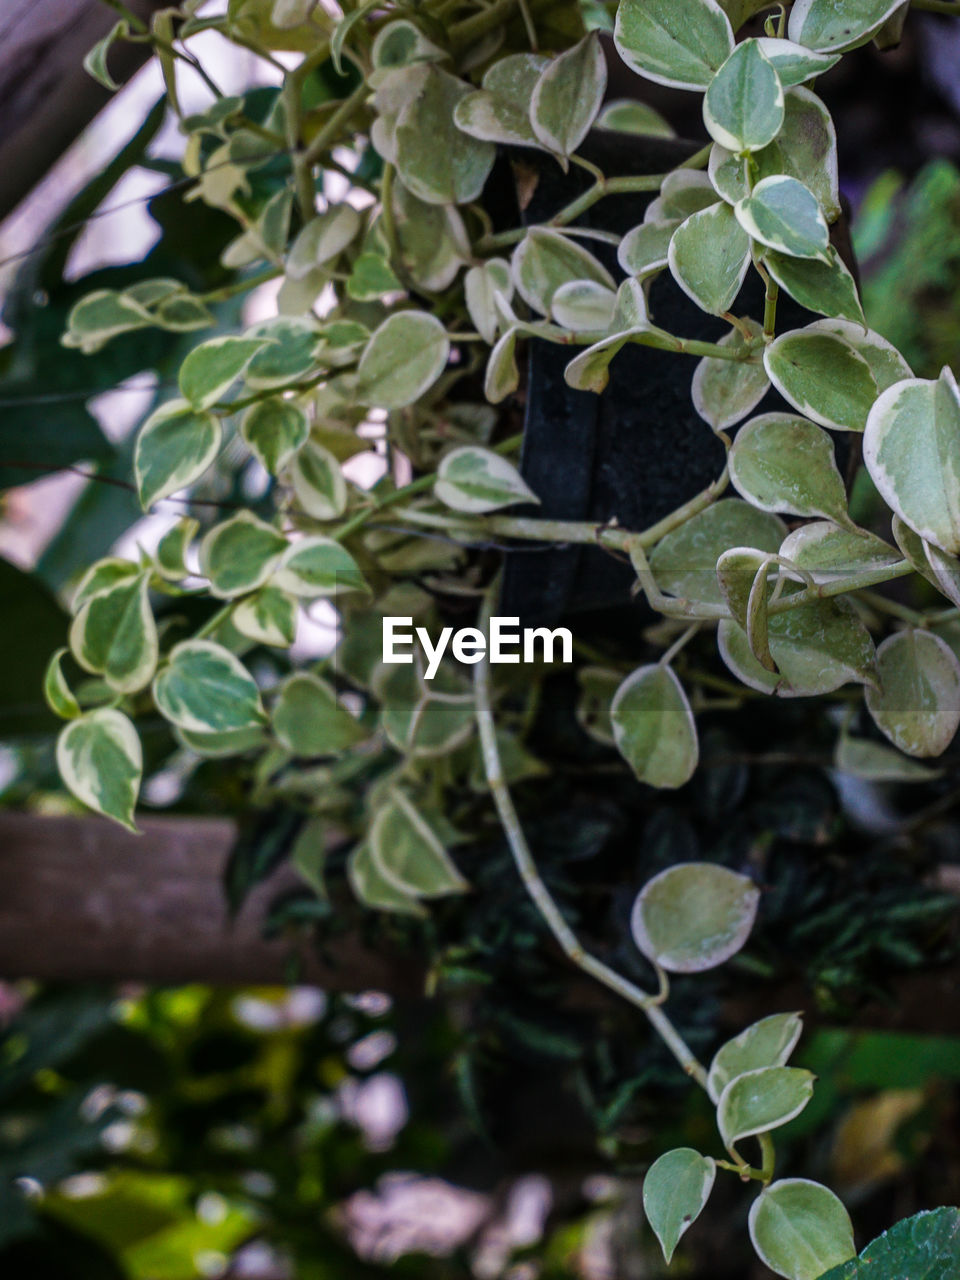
(625, 115)
(917, 704)
(806, 149)
(373, 890)
(762, 1099)
(824, 286)
(786, 464)
(500, 110)
(171, 554)
(322, 239)
(102, 576)
(545, 259)
(480, 286)
(827, 552)
(415, 723)
(59, 696)
(924, 1247)
(318, 483)
(800, 1229)
(95, 61)
(206, 689)
(694, 916)
(267, 617)
(238, 555)
(643, 250)
(825, 25)
(876, 762)
(371, 276)
(743, 107)
(175, 446)
(794, 63)
(435, 159)
(785, 215)
(946, 571)
(654, 728)
(682, 43)
(590, 370)
(274, 429)
(568, 95)
(708, 257)
(724, 391)
(503, 375)
(101, 761)
(211, 369)
(476, 481)
(583, 304)
(292, 353)
(409, 854)
(767, 1043)
(886, 363)
(405, 356)
(823, 377)
(309, 720)
(682, 192)
(675, 1190)
(114, 635)
(317, 566)
(684, 562)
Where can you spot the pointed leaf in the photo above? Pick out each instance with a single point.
(318, 483)
(743, 107)
(322, 239)
(174, 448)
(480, 286)
(794, 63)
(372, 889)
(682, 43)
(502, 376)
(274, 429)
(568, 95)
(876, 762)
(823, 377)
(114, 635)
(477, 480)
(782, 463)
(404, 357)
(824, 25)
(918, 703)
(239, 554)
(827, 287)
(211, 369)
(654, 728)
(760, 1100)
(268, 617)
(318, 566)
(100, 760)
(924, 1247)
(800, 1229)
(675, 1190)
(60, 697)
(409, 854)
(172, 549)
(767, 1043)
(309, 721)
(205, 689)
(500, 110)
(784, 215)
(545, 259)
(694, 916)
(709, 255)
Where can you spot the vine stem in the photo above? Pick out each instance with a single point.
(538, 891)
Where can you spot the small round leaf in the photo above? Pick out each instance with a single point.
(694, 916)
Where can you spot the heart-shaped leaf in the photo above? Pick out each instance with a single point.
(205, 689)
(317, 482)
(267, 617)
(318, 566)
(500, 110)
(762, 1099)
(917, 705)
(743, 107)
(100, 760)
(800, 1229)
(409, 854)
(694, 916)
(653, 727)
(924, 1247)
(211, 369)
(545, 259)
(823, 377)
(682, 43)
(708, 257)
(239, 554)
(114, 635)
(767, 1043)
(675, 1190)
(274, 429)
(175, 446)
(309, 721)
(478, 480)
(373, 889)
(783, 463)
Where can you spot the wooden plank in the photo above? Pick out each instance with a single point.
(46, 98)
(84, 900)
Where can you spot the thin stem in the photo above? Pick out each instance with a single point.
(769, 302)
(240, 286)
(894, 608)
(538, 891)
(769, 1156)
(329, 135)
(681, 642)
(858, 582)
(937, 6)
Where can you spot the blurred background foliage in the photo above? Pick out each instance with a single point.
(502, 1129)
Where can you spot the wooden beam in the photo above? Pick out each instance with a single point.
(84, 900)
(46, 98)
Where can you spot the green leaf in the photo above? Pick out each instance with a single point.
(318, 483)
(373, 890)
(95, 62)
(823, 377)
(724, 391)
(291, 354)
(211, 369)
(694, 916)
(827, 287)
(101, 315)
(760, 1100)
(654, 727)
(481, 284)
(709, 255)
(806, 149)
(876, 762)
(825, 25)
(308, 857)
(737, 572)
(590, 370)
(946, 571)
(172, 549)
(626, 115)
(786, 464)
(101, 577)
(911, 448)
(477, 480)
(404, 357)
(583, 304)
(917, 705)
(924, 1247)
(682, 192)
(643, 250)
(175, 446)
(682, 43)
(114, 635)
(800, 1229)
(794, 63)
(100, 760)
(743, 107)
(205, 689)
(567, 96)
(545, 259)
(409, 854)
(415, 723)
(500, 110)
(343, 29)
(675, 1190)
(435, 159)
(322, 239)
(214, 746)
(767, 1043)
(274, 429)
(784, 214)
(684, 562)
(886, 363)
(309, 721)
(239, 554)
(502, 376)
(267, 617)
(59, 695)
(827, 552)
(317, 566)
(371, 277)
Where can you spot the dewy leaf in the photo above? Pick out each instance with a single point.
(114, 635)
(409, 854)
(545, 259)
(175, 446)
(435, 159)
(477, 480)
(318, 482)
(709, 255)
(827, 26)
(760, 1100)
(724, 391)
(500, 110)
(800, 1229)
(268, 617)
(100, 760)
(205, 689)
(322, 239)
(404, 357)
(211, 369)
(924, 1247)
(59, 696)
(370, 887)
(827, 552)
(785, 215)
(911, 448)
(568, 95)
(767, 1043)
(317, 566)
(682, 43)
(822, 376)
(793, 63)
(481, 284)
(786, 464)
(827, 287)
(238, 555)
(654, 728)
(694, 916)
(309, 721)
(743, 107)
(675, 1189)
(274, 429)
(684, 562)
(917, 705)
